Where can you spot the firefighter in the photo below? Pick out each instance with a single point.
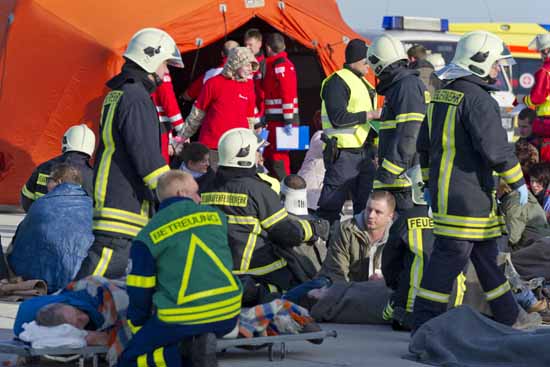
(281, 102)
(404, 109)
(404, 259)
(77, 148)
(539, 96)
(348, 102)
(461, 144)
(180, 285)
(257, 220)
(169, 114)
(129, 159)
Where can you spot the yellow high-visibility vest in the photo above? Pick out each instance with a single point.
(359, 100)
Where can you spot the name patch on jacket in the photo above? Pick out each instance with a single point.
(224, 198)
(185, 223)
(420, 222)
(448, 96)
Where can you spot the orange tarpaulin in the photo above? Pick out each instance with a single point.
(57, 55)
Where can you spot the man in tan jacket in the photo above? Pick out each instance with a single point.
(355, 251)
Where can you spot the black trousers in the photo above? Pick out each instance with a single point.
(448, 259)
(108, 257)
(351, 173)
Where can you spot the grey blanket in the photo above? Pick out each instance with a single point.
(353, 303)
(463, 337)
(533, 261)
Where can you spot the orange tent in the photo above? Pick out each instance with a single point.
(56, 55)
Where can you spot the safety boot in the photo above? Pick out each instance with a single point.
(527, 321)
(203, 351)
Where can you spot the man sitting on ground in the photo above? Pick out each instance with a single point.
(180, 284)
(54, 238)
(354, 253)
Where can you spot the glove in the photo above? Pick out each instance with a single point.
(426, 196)
(321, 228)
(288, 129)
(523, 194)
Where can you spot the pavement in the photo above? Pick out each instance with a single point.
(355, 345)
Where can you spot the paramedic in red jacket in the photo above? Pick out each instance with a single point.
(281, 101)
(168, 112)
(226, 102)
(539, 97)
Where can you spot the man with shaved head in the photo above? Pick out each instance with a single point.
(180, 266)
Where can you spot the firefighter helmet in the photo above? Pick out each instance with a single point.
(79, 138)
(477, 51)
(237, 148)
(150, 47)
(384, 51)
(540, 42)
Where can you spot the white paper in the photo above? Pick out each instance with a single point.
(285, 141)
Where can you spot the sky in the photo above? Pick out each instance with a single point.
(367, 14)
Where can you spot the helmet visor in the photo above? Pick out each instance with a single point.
(505, 58)
(175, 58)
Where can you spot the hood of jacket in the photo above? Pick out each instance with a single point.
(392, 75)
(132, 73)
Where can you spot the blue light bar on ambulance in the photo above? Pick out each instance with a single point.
(415, 23)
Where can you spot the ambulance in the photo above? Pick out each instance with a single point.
(517, 37)
(434, 35)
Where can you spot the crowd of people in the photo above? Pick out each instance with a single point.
(200, 229)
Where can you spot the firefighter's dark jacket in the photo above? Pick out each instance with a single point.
(336, 95)
(461, 144)
(257, 220)
(404, 109)
(406, 254)
(128, 161)
(36, 185)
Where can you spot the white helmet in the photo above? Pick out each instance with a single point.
(295, 200)
(384, 51)
(437, 60)
(79, 138)
(237, 148)
(150, 47)
(540, 42)
(477, 51)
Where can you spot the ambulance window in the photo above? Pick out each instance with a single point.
(446, 49)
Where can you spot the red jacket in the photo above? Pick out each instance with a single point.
(227, 104)
(539, 96)
(168, 112)
(258, 77)
(280, 89)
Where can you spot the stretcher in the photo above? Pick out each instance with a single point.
(272, 343)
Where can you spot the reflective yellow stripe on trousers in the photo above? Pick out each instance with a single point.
(103, 262)
(417, 267)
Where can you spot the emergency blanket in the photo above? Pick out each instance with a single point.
(533, 261)
(464, 337)
(52, 337)
(353, 303)
(113, 309)
(274, 318)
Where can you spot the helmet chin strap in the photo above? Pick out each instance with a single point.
(157, 79)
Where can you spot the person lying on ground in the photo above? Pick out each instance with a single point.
(94, 304)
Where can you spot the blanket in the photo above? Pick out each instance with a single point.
(533, 261)
(274, 318)
(464, 337)
(113, 309)
(64, 335)
(353, 303)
